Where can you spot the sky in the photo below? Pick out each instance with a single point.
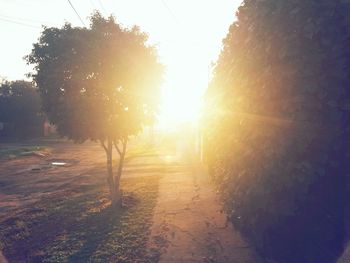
(188, 34)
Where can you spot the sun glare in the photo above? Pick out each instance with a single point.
(186, 79)
(188, 47)
(188, 41)
(179, 107)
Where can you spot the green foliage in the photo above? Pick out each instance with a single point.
(99, 82)
(279, 122)
(20, 109)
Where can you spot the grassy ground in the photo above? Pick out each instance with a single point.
(83, 227)
(13, 152)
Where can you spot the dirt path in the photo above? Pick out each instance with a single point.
(189, 224)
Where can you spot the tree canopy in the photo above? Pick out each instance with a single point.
(97, 82)
(278, 126)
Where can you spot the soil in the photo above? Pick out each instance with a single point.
(27, 179)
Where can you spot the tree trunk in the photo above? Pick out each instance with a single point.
(114, 194)
(120, 166)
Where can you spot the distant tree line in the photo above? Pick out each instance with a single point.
(278, 126)
(20, 110)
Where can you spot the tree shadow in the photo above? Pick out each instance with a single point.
(95, 230)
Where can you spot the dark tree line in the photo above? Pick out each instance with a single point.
(20, 110)
(278, 118)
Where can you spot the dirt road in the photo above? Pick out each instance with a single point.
(28, 179)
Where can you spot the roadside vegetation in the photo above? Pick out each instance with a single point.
(277, 127)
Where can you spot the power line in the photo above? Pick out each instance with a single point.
(76, 12)
(25, 20)
(19, 23)
(169, 10)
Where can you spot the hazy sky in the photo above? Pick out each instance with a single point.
(188, 34)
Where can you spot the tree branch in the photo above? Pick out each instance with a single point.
(116, 147)
(102, 142)
(124, 141)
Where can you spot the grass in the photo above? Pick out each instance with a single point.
(83, 227)
(14, 152)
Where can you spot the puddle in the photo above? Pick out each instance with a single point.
(46, 166)
(62, 162)
(49, 164)
(58, 164)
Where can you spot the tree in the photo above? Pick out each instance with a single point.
(100, 83)
(278, 126)
(20, 109)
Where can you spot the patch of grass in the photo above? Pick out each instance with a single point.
(14, 152)
(83, 227)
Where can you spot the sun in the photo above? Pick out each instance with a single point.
(186, 80)
(181, 100)
(179, 107)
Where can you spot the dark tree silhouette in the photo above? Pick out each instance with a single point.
(100, 83)
(20, 109)
(278, 126)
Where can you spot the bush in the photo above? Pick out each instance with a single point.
(279, 134)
